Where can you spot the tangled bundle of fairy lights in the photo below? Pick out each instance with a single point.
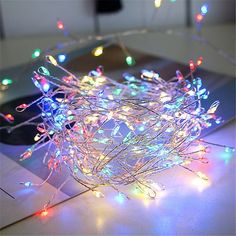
(111, 134)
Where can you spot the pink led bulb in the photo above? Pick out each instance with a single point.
(60, 25)
(199, 18)
(27, 154)
(191, 65)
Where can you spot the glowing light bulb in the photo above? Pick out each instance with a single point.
(28, 184)
(199, 18)
(149, 75)
(199, 61)
(42, 70)
(100, 70)
(21, 107)
(61, 58)
(201, 149)
(213, 107)
(229, 149)
(51, 59)
(36, 137)
(179, 75)
(9, 117)
(27, 154)
(130, 61)
(36, 53)
(60, 25)
(98, 194)
(120, 198)
(200, 184)
(157, 3)
(6, 81)
(98, 51)
(204, 9)
(141, 128)
(44, 213)
(201, 175)
(191, 65)
(46, 87)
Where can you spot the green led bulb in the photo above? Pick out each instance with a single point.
(36, 53)
(117, 91)
(130, 61)
(6, 81)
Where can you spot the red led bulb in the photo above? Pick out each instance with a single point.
(9, 117)
(199, 18)
(199, 61)
(60, 25)
(191, 65)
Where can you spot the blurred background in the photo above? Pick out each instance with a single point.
(35, 17)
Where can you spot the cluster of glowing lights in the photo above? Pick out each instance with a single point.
(119, 134)
(113, 134)
(200, 16)
(40, 81)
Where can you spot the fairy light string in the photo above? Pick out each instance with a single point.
(112, 134)
(193, 37)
